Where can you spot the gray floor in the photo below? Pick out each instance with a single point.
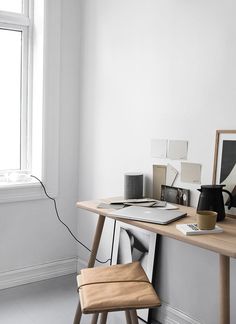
(50, 301)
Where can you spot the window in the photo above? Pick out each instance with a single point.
(30, 35)
(11, 5)
(15, 44)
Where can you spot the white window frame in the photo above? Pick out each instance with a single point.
(22, 23)
(43, 97)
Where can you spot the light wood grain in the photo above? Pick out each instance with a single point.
(224, 285)
(94, 318)
(103, 318)
(222, 243)
(128, 318)
(96, 241)
(159, 178)
(92, 259)
(134, 316)
(217, 140)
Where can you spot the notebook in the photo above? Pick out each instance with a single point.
(192, 229)
(148, 214)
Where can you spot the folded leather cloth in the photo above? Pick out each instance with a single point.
(117, 287)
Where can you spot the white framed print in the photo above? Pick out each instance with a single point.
(224, 170)
(135, 244)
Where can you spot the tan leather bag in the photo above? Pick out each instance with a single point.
(118, 287)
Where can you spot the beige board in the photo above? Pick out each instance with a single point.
(159, 148)
(178, 150)
(159, 178)
(190, 172)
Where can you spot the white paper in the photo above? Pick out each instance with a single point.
(171, 174)
(168, 206)
(158, 148)
(178, 150)
(190, 172)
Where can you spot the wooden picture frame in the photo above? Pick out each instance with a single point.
(135, 244)
(224, 168)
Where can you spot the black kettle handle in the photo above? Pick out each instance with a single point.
(230, 198)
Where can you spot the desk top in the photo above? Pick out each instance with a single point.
(222, 243)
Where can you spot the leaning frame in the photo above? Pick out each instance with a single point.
(224, 168)
(135, 244)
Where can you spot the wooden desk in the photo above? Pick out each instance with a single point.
(222, 243)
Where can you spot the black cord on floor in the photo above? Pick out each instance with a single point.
(58, 217)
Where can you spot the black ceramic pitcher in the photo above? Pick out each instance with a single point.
(211, 198)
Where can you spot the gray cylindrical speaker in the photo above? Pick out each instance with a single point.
(133, 186)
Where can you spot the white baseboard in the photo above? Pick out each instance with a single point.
(170, 315)
(36, 273)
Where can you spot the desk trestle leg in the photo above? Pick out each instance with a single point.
(224, 289)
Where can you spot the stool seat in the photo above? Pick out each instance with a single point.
(115, 288)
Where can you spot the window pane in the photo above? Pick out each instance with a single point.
(11, 5)
(10, 98)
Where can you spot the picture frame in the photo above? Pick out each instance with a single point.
(135, 244)
(224, 168)
(175, 195)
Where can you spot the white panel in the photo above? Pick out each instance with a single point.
(158, 148)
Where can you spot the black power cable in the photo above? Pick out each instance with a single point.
(58, 217)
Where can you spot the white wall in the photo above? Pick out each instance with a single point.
(31, 238)
(156, 69)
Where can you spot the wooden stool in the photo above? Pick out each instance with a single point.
(122, 287)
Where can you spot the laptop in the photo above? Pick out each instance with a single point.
(149, 214)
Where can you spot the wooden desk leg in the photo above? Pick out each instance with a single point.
(92, 259)
(96, 241)
(224, 290)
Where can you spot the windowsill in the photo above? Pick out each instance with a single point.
(18, 184)
(13, 192)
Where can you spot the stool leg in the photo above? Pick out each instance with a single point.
(128, 318)
(92, 259)
(103, 319)
(95, 318)
(78, 314)
(134, 317)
